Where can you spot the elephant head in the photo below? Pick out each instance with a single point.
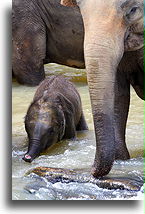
(112, 27)
(45, 125)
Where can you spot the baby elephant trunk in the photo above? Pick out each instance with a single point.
(33, 150)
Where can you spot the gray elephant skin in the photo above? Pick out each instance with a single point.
(43, 32)
(111, 50)
(55, 114)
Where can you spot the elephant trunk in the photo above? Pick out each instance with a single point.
(33, 150)
(101, 60)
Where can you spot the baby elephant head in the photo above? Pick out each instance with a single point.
(45, 125)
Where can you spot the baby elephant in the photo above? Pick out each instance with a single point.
(55, 114)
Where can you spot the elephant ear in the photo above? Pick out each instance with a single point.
(135, 38)
(69, 3)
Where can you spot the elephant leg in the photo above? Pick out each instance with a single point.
(29, 51)
(82, 125)
(122, 101)
(70, 131)
(137, 82)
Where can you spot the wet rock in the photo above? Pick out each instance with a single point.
(54, 175)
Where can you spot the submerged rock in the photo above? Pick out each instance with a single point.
(54, 175)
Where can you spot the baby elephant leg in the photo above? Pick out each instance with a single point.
(82, 125)
(70, 131)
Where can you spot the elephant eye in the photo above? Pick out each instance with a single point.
(133, 14)
(133, 10)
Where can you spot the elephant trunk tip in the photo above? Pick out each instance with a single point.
(98, 173)
(27, 158)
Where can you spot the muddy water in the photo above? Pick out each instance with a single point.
(72, 154)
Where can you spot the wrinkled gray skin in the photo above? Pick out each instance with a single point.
(55, 114)
(113, 50)
(45, 31)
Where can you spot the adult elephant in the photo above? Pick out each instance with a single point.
(44, 31)
(113, 49)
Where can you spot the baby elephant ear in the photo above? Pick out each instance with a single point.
(69, 3)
